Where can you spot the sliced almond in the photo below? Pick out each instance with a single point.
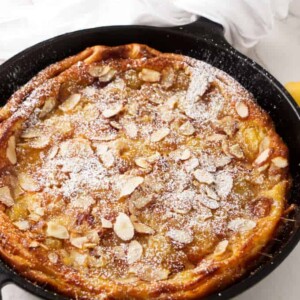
(209, 203)
(22, 225)
(123, 227)
(131, 130)
(115, 125)
(222, 161)
(221, 248)
(83, 201)
(108, 159)
(40, 142)
(135, 252)
(143, 228)
(263, 168)
(280, 162)
(106, 223)
(32, 132)
(241, 225)
(263, 157)
(143, 163)
(216, 137)
(48, 106)
(104, 73)
(53, 257)
(180, 236)
(151, 273)
(34, 244)
(130, 183)
(149, 75)
(52, 152)
(78, 242)
(159, 134)
(224, 184)
(211, 193)
(236, 151)
(187, 129)
(168, 77)
(93, 237)
(11, 150)
(264, 144)
(191, 164)
(70, 102)
(141, 202)
(56, 230)
(154, 158)
(185, 154)
(111, 112)
(242, 109)
(5, 196)
(27, 182)
(204, 176)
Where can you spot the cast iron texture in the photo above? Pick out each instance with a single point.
(203, 40)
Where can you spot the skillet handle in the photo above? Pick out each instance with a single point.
(206, 29)
(4, 279)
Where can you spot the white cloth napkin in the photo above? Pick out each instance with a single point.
(26, 22)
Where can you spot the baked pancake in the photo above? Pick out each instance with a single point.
(127, 173)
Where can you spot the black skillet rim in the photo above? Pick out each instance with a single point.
(214, 34)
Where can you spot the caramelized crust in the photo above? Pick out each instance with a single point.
(127, 173)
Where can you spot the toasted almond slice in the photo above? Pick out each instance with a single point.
(130, 184)
(5, 196)
(135, 252)
(90, 112)
(187, 128)
(56, 230)
(222, 161)
(53, 257)
(11, 150)
(221, 248)
(152, 273)
(185, 154)
(40, 211)
(32, 132)
(143, 163)
(263, 168)
(22, 225)
(168, 77)
(115, 125)
(149, 75)
(142, 202)
(82, 201)
(209, 203)
(280, 162)
(216, 137)
(143, 228)
(27, 183)
(106, 223)
(40, 142)
(236, 151)
(131, 130)
(93, 237)
(204, 176)
(241, 225)
(108, 159)
(263, 157)
(53, 151)
(264, 144)
(113, 111)
(79, 258)
(154, 158)
(242, 109)
(211, 193)
(224, 184)
(191, 164)
(78, 241)
(160, 134)
(70, 102)
(104, 73)
(180, 236)
(123, 227)
(48, 106)
(34, 244)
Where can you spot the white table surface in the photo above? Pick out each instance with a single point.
(279, 53)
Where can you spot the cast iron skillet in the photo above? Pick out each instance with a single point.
(203, 40)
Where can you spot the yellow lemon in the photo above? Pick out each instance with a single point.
(294, 90)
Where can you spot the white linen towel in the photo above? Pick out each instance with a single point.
(26, 22)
